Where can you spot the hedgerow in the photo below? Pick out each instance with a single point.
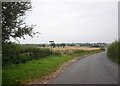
(16, 54)
(113, 51)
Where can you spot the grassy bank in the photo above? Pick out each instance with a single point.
(113, 51)
(16, 74)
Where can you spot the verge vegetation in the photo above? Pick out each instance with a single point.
(16, 54)
(26, 63)
(113, 51)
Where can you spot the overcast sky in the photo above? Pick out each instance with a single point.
(73, 21)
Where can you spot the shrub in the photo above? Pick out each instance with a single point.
(113, 51)
(15, 53)
(102, 48)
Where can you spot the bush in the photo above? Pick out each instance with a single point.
(113, 51)
(102, 48)
(15, 53)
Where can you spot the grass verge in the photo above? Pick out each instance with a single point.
(17, 74)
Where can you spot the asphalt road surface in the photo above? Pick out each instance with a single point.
(94, 69)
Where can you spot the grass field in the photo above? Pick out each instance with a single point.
(20, 73)
(72, 48)
(75, 48)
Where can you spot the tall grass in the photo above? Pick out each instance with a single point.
(113, 51)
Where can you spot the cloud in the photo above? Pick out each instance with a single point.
(74, 21)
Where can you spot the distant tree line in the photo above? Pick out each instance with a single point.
(53, 45)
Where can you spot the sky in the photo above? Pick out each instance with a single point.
(73, 21)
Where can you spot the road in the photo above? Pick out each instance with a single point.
(94, 69)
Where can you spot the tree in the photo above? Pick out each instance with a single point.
(43, 45)
(13, 24)
(62, 45)
(58, 45)
(53, 45)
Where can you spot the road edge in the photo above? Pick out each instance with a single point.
(58, 71)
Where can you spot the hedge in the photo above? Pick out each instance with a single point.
(113, 51)
(15, 53)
